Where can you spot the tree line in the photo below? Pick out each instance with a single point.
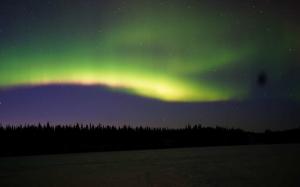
(48, 139)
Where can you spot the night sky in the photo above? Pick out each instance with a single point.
(157, 63)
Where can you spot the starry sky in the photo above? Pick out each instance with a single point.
(158, 63)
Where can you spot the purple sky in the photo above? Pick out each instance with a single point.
(69, 104)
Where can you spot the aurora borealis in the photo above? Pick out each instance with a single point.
(189, 51)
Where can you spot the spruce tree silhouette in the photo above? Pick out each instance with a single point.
(49, 139)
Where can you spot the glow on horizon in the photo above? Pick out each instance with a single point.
(162, 88)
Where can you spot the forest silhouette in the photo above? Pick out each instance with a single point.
(50, 139)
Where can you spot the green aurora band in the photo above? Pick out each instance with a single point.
(161, 52)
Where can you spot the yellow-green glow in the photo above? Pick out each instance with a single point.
(170, 54)
(138, 82)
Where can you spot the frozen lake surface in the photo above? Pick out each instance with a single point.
(255, 165)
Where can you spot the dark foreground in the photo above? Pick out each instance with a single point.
(252, 165)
